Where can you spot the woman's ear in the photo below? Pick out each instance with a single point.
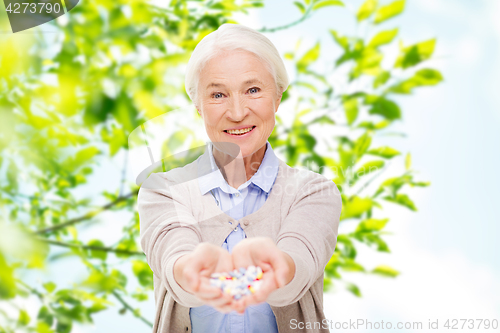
(278, 101)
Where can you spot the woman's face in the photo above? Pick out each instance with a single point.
(237, 92)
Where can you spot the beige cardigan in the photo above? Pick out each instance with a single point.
(301, 215)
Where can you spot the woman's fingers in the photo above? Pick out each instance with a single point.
(206, 291)
(209, 259)
(222, 303)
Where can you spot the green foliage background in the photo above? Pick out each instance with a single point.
(62, 113)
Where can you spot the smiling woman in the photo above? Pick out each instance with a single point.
(238, 101)
(265, 213)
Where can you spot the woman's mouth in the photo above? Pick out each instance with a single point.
(241, 132)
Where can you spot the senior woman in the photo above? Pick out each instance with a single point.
(238, 204)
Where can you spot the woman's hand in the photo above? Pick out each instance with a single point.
(192, 272)
(277, 266)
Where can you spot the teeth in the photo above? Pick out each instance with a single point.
(241, 131)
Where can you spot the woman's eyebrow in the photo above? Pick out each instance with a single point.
(213, 84)
(250, 81)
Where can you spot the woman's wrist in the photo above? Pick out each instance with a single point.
(178, 271)
(291, 268)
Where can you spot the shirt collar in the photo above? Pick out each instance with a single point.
(263, 178)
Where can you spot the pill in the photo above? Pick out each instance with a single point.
(239, 282)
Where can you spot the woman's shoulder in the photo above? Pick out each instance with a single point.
(160, 181)
(302, 176)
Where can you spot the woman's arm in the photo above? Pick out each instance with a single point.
(168, 231)
(308, 235)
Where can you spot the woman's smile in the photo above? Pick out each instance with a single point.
(241, 133)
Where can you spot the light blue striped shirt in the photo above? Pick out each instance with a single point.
(237, 203)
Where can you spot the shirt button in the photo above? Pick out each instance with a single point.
(230, 222)
(236, 194)
(236, 229)
(246, 222)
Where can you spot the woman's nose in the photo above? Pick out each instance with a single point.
(237, 109)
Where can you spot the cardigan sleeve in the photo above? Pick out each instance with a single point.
(168, 231)
(309, 235)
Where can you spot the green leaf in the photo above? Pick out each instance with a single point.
(116, 140)
(309, 57)
(367, 61)
(307, 85)
(351, 110)
(98, 107)
(403, 200)
(355, 207)
(49, 286)
(381, 79)
(324, 119)
(415, 54)
(128, 244)
(308, 141)
(143, 272)
(346, 247)
(421, 184)
(7, 283)
(386, 12)
(385, 271)
(373, 239)
(288, 55)
(394, 184)
(371, 225)
(423, 77)
(327, 284)
(126, 113)
(45, 316)
(350, 265)
(42, 327)
(102, 282)
(140, 296)
(354, 289)
(362, 144)
(408, 161)
(371, 126)
(24, 318)
(385, 108)
(64, 326)
(385, 152)
(81, 158)
(383, 37)
(300, 6)
(368, 167)
(325, 3)
(342, 41)
(96, 253)
(366, 10)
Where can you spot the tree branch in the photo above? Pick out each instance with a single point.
(128, 307)
(90, 247)
(304, 17)
(372, 179)
(87, 216)
(124, 172)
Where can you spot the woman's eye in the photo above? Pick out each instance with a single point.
(217, 95)
(252, 90)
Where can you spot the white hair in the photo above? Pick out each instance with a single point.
(231, 37)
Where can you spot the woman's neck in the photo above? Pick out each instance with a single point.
(237, 171)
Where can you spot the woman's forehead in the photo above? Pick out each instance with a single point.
(241, 68)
